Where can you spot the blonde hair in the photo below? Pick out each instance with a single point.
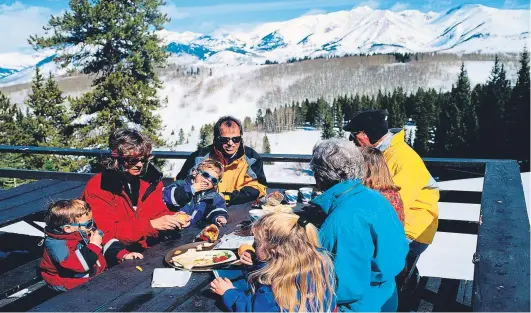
(377, 175)
(301, 277)
(64, 212)
(211, 165)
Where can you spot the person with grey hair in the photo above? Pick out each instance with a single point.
(361, 230)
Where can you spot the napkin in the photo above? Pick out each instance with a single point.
(232, 241)
(170, 277)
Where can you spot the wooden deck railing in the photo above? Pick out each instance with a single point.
(502, 265)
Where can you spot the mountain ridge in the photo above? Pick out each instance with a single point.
(467, 28)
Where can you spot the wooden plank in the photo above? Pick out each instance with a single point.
(501, 275)
(203, 301)
(38, 205)
(123, 288)
(35, 174)
(460, 196)
(26, 188)
(43, 193)
(19, 278)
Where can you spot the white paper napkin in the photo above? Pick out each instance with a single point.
(170, 277)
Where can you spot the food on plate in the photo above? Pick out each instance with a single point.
(244, 248)
(284, 208)
(139, 268)
(177, 252)
(210, 233)
(181, 217)
(274, 198)
(193, 258)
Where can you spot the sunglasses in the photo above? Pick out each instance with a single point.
(207, 175)
(225, 140)
(88, 224)
(134, 161)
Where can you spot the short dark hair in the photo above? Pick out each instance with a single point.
(124, 140)
(227, 121)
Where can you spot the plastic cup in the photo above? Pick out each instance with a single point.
(306, 194)
(291, 196)
(256, 214)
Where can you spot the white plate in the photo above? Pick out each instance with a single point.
(209, 255)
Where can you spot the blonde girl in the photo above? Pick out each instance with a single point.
(293, 275)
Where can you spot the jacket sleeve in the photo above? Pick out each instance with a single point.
(238, 301)
(177, 194)
(352, 247)
(216, 209)
(410, 188)
(114, 251)
(78, 260)
(391, 246)
(112, 224)
(187, 166)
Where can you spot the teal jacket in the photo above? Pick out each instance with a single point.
(367, 242)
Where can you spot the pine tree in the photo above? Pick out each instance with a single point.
(181, 137)
(247, 124)
(259, 119)
(469, 122)
(206, 136)
(496, 93)
(448, 136)
(517, 115)
(118, 45)
(327, 131)
(340, 122)
(265, 144)
(50, 117)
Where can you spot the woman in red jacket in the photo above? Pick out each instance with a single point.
(126, 198)
(378, 177)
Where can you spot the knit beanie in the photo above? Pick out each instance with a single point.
(372, 122)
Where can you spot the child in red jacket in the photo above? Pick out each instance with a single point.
(74, 251)
(378, 177)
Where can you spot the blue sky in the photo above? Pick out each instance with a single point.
(25, 17)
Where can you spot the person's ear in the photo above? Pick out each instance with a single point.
(363, 139)
(68, 229)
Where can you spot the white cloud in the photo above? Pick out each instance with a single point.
(399, 6)
(18, 22)
(373, 4)
(174, 12)
(314, 12)
(514, 4)
(437, 5)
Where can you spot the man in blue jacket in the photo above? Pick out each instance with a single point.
(361, 230)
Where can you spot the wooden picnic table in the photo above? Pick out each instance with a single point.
(123, 288)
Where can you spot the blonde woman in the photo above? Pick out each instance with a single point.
(293, 274)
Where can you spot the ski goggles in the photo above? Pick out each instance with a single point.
(207, 175)
(87, 225)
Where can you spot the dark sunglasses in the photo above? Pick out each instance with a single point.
(88, 224)
(225, 140)
(207, 175)
(134, 161)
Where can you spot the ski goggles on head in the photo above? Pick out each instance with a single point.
(88, 224)
(224, 140)
(207, 175)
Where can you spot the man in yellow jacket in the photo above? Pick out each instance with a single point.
(419, 191)
(244, 179)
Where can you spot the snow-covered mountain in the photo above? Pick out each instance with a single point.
(463, 29)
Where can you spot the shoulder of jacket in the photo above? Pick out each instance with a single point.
(251, 153)
(57, 248)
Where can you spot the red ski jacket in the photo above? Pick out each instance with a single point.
(113, 211)
(68, 261)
